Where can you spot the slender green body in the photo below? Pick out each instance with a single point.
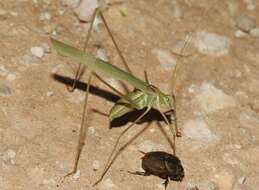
(144, 96)
(99, 65)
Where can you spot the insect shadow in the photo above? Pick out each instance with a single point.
(152, 115)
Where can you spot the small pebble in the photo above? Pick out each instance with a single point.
(3, 71)
(50, 93)
(96, 165)
(5, 90)
(240, 34)
(77, 175)
(91, 130)
(165, 59)
(177, 12)
(246, 23)
(86, 9)
(37, 51)
(9, 157)
(45, 16)
(101, 54)
(241, 180)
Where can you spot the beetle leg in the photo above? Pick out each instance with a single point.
(140, 173)
(166, 183)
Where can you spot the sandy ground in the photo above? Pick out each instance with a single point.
(40, 119)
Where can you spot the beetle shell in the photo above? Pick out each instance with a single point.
(163, 165)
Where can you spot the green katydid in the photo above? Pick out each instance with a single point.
(143, 96)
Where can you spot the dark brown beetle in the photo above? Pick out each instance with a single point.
(163, 165)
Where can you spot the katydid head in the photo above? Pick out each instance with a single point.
(164, 101)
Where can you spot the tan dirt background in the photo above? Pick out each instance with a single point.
(40, 119)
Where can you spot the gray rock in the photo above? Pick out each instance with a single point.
(213, 44)
(246, 23)
(197, 129)
(37, 51)
(212, 99)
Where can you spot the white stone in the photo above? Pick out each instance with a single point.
(77, 175)
(165, 59)
(197, 129)
(101, 54)
(86, 9)
(3, 71)
(212, 44)
(212, 99)
(240, 34)
(50, 93)
(45, 16)
(9, 156)
(91, 130)
(37, 51)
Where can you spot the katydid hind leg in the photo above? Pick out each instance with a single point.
(83, 130)
(112, 158)
(83, 126)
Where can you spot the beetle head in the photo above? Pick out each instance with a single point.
(175, 168)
